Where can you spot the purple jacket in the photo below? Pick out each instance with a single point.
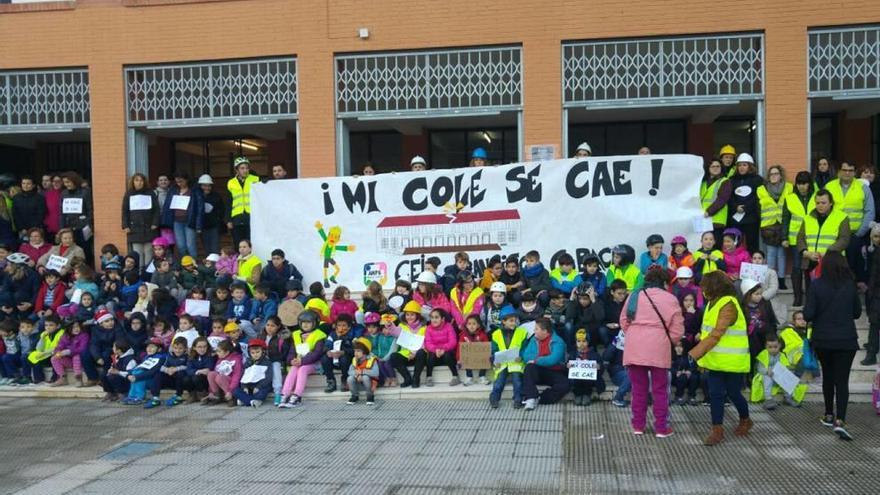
(76, 344)
(442, 337)
(312, 357)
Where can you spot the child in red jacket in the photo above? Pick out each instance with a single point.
(441, 344)
(473, 332)
(50, 295)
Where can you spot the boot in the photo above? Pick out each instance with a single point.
(782, 285)
(331, 386)
(797, 287)
(407, 377)
(715, 437)
(742, 429)
(870, 359)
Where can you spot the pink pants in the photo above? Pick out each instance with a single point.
(59, 364)
(638, 376)
(218, 382)
(296, 380)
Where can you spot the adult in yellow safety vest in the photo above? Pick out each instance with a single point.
(854, 198)
(409, 346)
(715, 192)
(727, 155)
(239, 216)
(509, 337)
(764, 387)
(249, 266)
(771, 197)
(797, 205)
(723, 351)
(824, 229)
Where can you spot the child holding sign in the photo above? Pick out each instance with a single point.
(772, 373)
(473, 332)
(584, 381)
(506, 346)
(401, 355)
(256, 380)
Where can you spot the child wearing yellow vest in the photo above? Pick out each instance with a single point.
(305, 354)
(763, 384)
(363, 371)
(510, 336)
(40, 357)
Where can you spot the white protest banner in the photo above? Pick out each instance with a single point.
(140, 202)
(582, 369)
(783, 377)
(411, 341)
(197, 307)
(752, 271)
(354, 230)
(56, 262)
(179, 202)
(73, 206)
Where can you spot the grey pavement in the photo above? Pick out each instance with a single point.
(421, 446)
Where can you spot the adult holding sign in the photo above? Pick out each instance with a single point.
(140, 217)
(723, 351)
(652, 323)
(744, 211)
(77, 213)
(239, 187)
(63, 256)
(185, 210)
(544, 355)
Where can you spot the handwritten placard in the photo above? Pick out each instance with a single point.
(752, 271)
(140, 202)
(783, 377)
(410, 341)
(179, 202)
(197, 307)
(475, 355)
(56, 262)
(507, 356)
(583, 369)
(72, 206)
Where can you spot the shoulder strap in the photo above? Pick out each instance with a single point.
(666, 328)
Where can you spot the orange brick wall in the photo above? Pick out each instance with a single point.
(106, 35)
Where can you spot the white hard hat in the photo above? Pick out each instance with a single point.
(418, 159)
(748, 284)
(498, 287)
(745, 158)
(213, 258)
(427, 277)
(206, 179)
(585, 147)
(684, 272)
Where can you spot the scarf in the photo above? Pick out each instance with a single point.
(533, 271)
(775, 190)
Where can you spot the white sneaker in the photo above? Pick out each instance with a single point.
(256, 403)
(484, 380)
(283, 403)
(530, 404)
(468, 381)
(240, 403)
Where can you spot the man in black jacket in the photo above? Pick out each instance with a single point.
(28, 207)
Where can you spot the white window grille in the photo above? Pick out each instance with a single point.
(478, 79)
(245, 90)
(44, 99)
(844, 61)
(606, 73)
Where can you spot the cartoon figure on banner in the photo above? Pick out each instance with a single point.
(331, 245)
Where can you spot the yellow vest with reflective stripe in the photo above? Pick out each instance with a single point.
(630, 275)
(405, 328)
(469, 303)
(49, 344)
(820, 239)
(853, 204)
(516, 342)
(241, 196)
(793, 344)
(708, 195)
(757, 394)
(731, 354)
(796, 210)
(710, 264)
(246, 267)
(312, 339)
(771, 211)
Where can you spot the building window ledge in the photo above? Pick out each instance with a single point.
(13, 8)
(151, 3)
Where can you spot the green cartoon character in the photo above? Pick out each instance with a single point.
(331, 245)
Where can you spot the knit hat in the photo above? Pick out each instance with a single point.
(103, 315)
(580, 334)
(230, 327)
(363, 344)
(187, 261)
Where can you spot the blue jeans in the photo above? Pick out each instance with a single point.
(776, 259)
(621, 379)
(501, 380)
(185, 239)
(211, 240)
(723, 384)
(11, 365)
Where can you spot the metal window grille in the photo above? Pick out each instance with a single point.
(412, 82)
(686, 68)
(44, 98)
(844, 61)
(212, 91)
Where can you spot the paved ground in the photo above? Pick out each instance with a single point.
(420, 446)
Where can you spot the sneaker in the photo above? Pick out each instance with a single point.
(664, 433)
(154, 402)
(679, 401)
(869, 360)
(429, 382)
(530, 404)
(282, 402)
(518, 404)
(586, 400)
(638, 432)
(827, 420)
(770, 404)
(278, 400)
(468, 381)
(256, 403)
(693, 402)
(618, 403)
(128, 401)
(413, 384)
(173, 401)
(493, 403)
(239, 403)
(371, 400)
(295, 401)
(352, 400)
(331, 387)
(791, 402)
(484, 380)
(107, 397)
(706, 403)
(455, 381)
(840, 429)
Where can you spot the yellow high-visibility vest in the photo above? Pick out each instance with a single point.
(757, 394)
(241, 196)
(312, 338)
(468, 307)
(852, 204)
(771, 211)
(731, 354)
(519, 336)
(796, 209)
(820, 239)
(405, 328)
(708, 195)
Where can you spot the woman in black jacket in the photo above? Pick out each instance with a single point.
(140, 217)
(744, 211)
(832, 306)
(77, 213)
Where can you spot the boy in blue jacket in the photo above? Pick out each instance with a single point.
(263, 306)
(143, 374)
(240, 308)
(544, 355)
(590, 273)
(564, 277)
(172, 374)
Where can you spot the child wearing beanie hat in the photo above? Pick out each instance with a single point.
(584, 389)
(363, 372)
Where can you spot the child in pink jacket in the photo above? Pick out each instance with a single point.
(735, 252)
(342, 304)
(440, 344)
(465, 298)
(225, 376)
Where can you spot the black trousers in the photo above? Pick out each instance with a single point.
(164, 380)
(328, 366)
(196, 383)
(400, 363)
(836, 366)
(448, 359)
(689, 383)
(535, 375)
(240, 232)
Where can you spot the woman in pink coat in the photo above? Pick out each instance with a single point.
(53, 206)
(652, 322)
(441, 342)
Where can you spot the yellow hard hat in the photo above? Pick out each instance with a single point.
(727, 149)
(364, 342)
(581, 334)
(412, 307)
(230, 327)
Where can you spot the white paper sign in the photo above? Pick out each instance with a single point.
(149, 363)
(783, 377)
(752, 271)
(254, 374)
(582, 369)
(76, 296)
(87, 232)
(409, 220)
(302, 349)
(140, 202)
(215, 341)
(337, 345)
(739, 216)
(410, 341)
(702, 224)
(209, 207)
(56, 262)
(507, 356)
(73, 206)
(197, 307)
(179, 202)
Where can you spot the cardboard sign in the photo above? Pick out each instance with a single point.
(289, 312)
(475, 355)
(179, 202)
(583, 370)
(197, 307)
(56, 263)
(752, 271)
(72, 206)
(140, 202)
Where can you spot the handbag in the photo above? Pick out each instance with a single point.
(665, 327)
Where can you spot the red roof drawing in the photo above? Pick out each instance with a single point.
(440, 218)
